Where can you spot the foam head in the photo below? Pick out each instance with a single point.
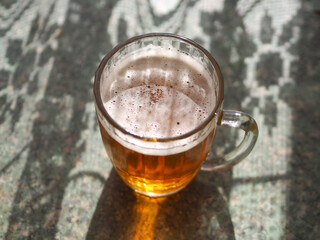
(158, 92)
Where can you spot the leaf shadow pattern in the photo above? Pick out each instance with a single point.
(200, 211)
(230, 44)
(303, 195)
(55, 146)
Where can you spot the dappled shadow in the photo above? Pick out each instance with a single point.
(302, 205)
(228, 34)
(56, 130)
(200, 211)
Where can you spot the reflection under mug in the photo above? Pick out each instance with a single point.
(158, 100)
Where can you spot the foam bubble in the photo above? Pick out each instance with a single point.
(158, 92)
(155, 111)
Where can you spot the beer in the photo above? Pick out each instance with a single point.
(156, 93)
(155, 175)
(159, 101)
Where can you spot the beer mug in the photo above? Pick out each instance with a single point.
(158, 100)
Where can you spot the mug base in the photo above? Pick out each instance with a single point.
(157, 195)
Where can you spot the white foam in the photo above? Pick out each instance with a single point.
(154, 111)
(158, 92)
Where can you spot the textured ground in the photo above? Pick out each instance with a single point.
(55, 179)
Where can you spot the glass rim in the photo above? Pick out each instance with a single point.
(108, 56)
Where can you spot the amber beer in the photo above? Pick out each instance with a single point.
(155, 175)
(159, 100)
(157, 93)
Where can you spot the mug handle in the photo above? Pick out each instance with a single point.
(239, 120)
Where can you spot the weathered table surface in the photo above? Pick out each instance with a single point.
(55, 179)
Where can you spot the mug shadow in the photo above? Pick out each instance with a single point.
(200, 211)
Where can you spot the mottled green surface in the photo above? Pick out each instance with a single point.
(55, 179)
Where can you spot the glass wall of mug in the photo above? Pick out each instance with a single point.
(158, 102)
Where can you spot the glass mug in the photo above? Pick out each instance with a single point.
(158, 101)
